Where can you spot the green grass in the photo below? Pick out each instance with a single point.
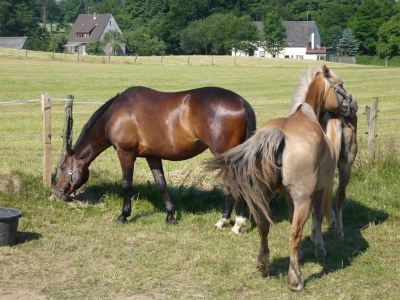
(76, 250)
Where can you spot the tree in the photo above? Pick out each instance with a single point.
(274, 33)
(114, 39)
(348, 45)
(195, 38)
(389, 38)
(365, 23)
(140, 42)
(93, 48)
(332, 36)
(57, 41)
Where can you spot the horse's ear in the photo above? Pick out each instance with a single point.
(326, 71)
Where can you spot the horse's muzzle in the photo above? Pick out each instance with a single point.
(353, 108)
(61, 195)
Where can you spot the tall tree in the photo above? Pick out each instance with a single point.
(347, 45)
(274, 33)
(365, 23)
(114, 39)
(389, 38)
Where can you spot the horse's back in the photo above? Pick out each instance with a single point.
(177, 125)
(307, 158)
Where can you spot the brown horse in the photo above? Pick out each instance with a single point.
(142, 122)
(292, 156)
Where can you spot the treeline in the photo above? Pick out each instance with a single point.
(206, 26)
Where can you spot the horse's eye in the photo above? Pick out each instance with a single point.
(62, 168)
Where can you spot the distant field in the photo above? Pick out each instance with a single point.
(76, 250)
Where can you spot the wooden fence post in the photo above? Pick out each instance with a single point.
(372, 114)
(46, 120)
(67, 131)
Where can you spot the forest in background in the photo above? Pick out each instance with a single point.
(164, 27)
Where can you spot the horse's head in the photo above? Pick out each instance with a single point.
(74, 173)
(337, 99)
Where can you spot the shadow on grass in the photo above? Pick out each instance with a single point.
(25, 236)
(188, 199)
(340, 252)
(185, 198)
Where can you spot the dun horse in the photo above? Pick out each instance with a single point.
(347, 156)
(142, 122)
(292, 156)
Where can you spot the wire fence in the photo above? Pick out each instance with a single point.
(21, 137)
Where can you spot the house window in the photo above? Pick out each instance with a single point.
(287, 56)
(110, 23)
(82, 34)
(262, 53)
(299, 56)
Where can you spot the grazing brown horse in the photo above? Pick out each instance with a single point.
(292, 156)
(142, 122)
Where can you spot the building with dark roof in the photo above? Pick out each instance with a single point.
(303, 41)
(14, 42)
(91, 28)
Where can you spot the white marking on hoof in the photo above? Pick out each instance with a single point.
(222, 223)
(239, 224)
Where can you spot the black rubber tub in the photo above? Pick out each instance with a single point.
(9, 218)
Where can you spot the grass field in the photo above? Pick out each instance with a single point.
(76, 250)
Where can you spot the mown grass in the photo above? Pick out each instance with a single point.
(76, 250)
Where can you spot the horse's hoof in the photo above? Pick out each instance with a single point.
(263, 269)
(221, 223)
(296, 287)
(172, 222)
(320, 253)
(122, 219)
(339, 235)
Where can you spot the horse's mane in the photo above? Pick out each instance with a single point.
(300, 93)
(97, 114)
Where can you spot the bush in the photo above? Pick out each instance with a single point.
(376, 61)
(93, 48)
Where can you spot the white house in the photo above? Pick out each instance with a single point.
(303, 41)
(91, 28)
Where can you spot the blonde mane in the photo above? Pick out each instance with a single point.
(300, 93)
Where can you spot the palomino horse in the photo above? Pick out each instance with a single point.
(292, 156)
(348, 153)
(142, 122)
(347, 156)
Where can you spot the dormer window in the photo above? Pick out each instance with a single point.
(82, 35)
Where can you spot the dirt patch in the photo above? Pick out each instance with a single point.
(9, 183)
(18, 294)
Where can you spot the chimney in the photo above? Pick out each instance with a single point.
(94, 16)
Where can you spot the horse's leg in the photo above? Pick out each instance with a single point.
(263, 255)
(317, 216)
(300, 215)
(344, 179)
(156, 167)
(127, 161)
(240, 222)
(226, 213)
(291, 210)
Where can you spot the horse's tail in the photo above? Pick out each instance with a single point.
(253, 168)
(250, 120)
